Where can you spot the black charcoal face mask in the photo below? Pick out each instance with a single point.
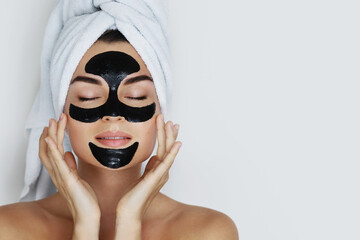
(113, 158)
(113, 67)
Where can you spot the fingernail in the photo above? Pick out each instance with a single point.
(47, 141)
(61, 116)
(177, 126)
(162, 117)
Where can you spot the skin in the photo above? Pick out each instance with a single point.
(96, 202)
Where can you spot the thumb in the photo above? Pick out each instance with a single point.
(152, 163)
(70, 160)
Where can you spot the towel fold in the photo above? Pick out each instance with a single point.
(72, 28)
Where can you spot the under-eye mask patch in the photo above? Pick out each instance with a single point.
(113, 158)
(113, 67)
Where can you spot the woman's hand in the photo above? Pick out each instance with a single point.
(80, 197)
(133, 205)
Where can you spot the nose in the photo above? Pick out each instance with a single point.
(113, 118)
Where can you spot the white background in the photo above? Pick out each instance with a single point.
(267, 96)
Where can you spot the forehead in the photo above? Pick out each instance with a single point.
(100, 47)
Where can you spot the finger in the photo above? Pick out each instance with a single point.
(61, 132)
(43, 151)
(52, 130)
(55, 173)
(161, 136)
(156, 184)
(152, 163)
(45, 159)
(70, 160)
(165, 165)
(170, 136)
(176, 127)
(57, 158)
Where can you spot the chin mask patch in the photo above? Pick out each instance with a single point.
(113, 158)
(113, 67)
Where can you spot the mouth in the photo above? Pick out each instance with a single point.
(113, 139)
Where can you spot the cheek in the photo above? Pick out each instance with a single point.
(146, 136)
(79, 139)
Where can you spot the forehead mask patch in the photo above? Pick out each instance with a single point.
(113, 67)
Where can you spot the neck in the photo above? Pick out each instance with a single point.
(109, 185)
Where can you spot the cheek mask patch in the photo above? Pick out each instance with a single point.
(113, 67)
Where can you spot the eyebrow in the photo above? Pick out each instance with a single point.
(97, 82)
(85, 79)
(137, 79)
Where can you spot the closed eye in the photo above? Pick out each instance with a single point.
(82, 99)
(137, 98)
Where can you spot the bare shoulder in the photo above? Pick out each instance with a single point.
(21, 220)
(194, 222)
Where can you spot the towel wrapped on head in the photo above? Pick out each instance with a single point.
(72, 28)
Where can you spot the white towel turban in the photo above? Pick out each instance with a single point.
(74, 25)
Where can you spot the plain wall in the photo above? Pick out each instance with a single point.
(267, 96)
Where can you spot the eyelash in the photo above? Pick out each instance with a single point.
(82, 99)
(137, 98)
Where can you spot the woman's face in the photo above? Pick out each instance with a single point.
(111, 107)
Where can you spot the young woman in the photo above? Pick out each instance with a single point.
(113, 118)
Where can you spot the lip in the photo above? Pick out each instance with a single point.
(125, 138)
